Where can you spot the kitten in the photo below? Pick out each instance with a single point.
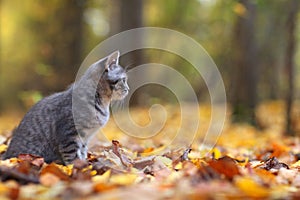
(60, 126)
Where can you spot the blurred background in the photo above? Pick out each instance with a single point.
(253, 43)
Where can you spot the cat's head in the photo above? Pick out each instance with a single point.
(113, 82)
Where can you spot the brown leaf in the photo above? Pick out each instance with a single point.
(32, 159)
(14, 193)
(13, 190)
(226, 166)
(102, 165)
(125, 160)
(38, 162)
(144, 162)
(24, 167)
(115, 147)
(205, 173)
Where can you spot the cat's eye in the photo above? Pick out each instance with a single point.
(114, 82)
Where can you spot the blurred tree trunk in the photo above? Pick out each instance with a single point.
(245, 76)
(59, 44)
(66, 41)
(130, 17)
(293, 7)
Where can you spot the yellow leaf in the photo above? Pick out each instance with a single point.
(93, 172)
(90, 167)
(216, 153)
(14, 160)
(296, 164)
(66, 169)
(198, 162)
(251, 188)
(3, 188)
(102, 178)
(3, 148)
(154, 151)
(123, 179)
(178, 166)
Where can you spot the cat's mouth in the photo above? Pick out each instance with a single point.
(124, 93)
(119, 95)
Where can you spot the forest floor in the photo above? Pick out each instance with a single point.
(245, 163)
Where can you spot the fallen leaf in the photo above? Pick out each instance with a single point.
(123, 179)
(38, 162)
(148, 150)
(125, 160)
(101, 187)
(53, 169)
(279, 149)
(14, 189)
(251, 188)
(216, 153)
(3, 148)
(143, 162)
(226, 166)
(32, 159)
(102, 178)
(48, 179)
(266, 176)
(166, 161)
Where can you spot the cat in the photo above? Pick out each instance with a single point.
(59, 127)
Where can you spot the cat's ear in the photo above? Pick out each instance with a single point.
(112, 60)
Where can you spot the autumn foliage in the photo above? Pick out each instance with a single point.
(245, 163)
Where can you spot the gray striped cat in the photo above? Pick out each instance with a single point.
(60, 126)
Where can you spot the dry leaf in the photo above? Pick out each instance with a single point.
(123, 179)
(49, 179)
(226, 166)
(251, 188)
(53, 169)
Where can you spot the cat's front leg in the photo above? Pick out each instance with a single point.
(72, 150)
(82, 150)
(68, 152)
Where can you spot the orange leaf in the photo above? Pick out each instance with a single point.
(49, 179)
(53, 169)
(100, 187)
(226, 166)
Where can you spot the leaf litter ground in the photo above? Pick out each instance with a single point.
(245, 163)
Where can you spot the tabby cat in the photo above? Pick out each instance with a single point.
(59, 127)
